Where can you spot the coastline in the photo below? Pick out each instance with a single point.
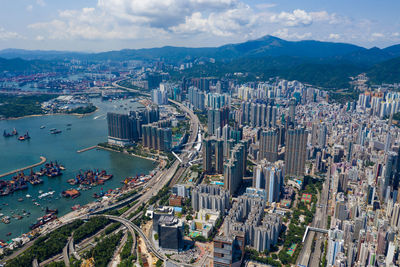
(50, 114)
(131, 154)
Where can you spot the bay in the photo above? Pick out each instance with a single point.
(84, 132)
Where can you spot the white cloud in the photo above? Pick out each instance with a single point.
(39, 38)
(297, 18)
(177, 20)
(301, 17)
(40, 2)
(265, 5)
(130, 19)
(396, 34)
(6, 35)
(334, 36)
(377, 35)
(29, 8)
(284, 33)
(237, 20)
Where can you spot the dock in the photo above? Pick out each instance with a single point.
(42, 160)
(86, 149)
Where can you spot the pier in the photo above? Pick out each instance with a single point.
(42, 160)
(87, 149)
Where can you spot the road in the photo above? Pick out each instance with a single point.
(308, 257)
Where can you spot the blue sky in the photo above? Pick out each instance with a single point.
(101, 25)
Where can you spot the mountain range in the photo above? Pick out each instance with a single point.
(265, 56)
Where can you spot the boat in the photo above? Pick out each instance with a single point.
(13, 133)
(43, 220)
(46, 194)
(72, 193)
(76, 207)
(69, 124)
(53, 129)
(8, 234)
(28, 196)
(54, 211)
(6, 219)
(20, 199)
(42, 127)
(55, 132)
(24, 137)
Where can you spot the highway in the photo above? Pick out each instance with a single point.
(308, 257)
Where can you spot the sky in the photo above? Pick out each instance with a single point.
(104, 25)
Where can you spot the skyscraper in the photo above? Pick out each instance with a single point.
(207, 155)
(269, 145)
(235, 168)
(295, 154)
(292, 110)
(219, 156)
(120, 129)
(217, 118)
(269, 177)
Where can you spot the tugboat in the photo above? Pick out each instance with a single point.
(24, 137)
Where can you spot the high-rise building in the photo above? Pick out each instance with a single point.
(157, 136)
(196, 97)
(228, 251)
(269, 145)
(207, 155)
(235, 168)
(217, 119)
(295, 153)
(269, 177)
(170, 233)
(292, 110)
(219, 156)
(159, 97)
(120, 129)
(210, 197)
(217, 101)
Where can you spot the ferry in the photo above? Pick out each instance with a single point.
(55, 132)
(46, 194)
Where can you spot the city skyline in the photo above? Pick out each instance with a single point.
(102, 25)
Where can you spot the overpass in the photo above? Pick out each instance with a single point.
(315, 229)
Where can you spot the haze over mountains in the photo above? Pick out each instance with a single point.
(264, 57)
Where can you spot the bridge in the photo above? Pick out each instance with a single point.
(319, 230)
(42, 160)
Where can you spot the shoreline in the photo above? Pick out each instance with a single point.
(49, 114)
(130, 154)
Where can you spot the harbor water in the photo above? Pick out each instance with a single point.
(77, 133)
